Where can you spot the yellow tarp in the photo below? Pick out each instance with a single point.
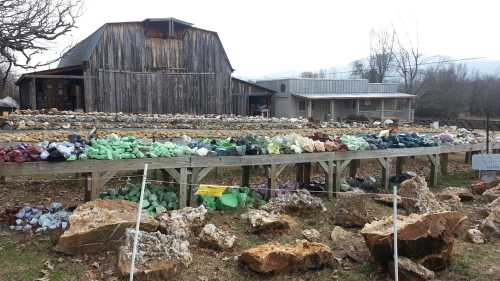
(210, 190)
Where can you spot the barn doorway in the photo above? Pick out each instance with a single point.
(259, 106)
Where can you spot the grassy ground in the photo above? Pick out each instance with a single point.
(30, 258)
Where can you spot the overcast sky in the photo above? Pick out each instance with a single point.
(264, 37)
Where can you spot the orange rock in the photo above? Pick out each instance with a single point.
(274, 257)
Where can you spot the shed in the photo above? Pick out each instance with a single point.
(250, 98)
(160, 65)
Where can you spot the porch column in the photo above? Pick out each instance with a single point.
(309, 108)
(78, 98)
(32, 93)
(332, 109)
(382, 110)
(357, 107)
(409, 111)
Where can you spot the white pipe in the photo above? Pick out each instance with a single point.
(138, 223)
(395, 229)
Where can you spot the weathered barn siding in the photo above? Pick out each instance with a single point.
(130, 72)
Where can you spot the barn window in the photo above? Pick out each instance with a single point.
(302, 105)
(169, 28)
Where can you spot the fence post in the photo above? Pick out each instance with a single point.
(395, 230)
(138, 222)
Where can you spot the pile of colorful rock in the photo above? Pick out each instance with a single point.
(113, 147)
(40, 220)
(45, 151)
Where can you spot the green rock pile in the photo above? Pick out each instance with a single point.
(232, 198)
(157, 199)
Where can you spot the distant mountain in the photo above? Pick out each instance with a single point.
(482, 66)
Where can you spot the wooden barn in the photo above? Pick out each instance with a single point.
(156, 66)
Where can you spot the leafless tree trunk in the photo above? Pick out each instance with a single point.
(408, 60)
(26, 26)
(381, 54)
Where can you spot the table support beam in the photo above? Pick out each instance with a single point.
(340, 166)
(400, 163)
(434, 159)
(245, 176)
(354, 167)
(386, 171)
(444, 163)
(95, 183)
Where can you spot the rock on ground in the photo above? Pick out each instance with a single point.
(387, 199)
(264, 222)
(490, 226)
(311, 235)
(481, 186)
(159, 256)
(492, 194)
(357, 209)
(427, 239)
(464, 194)
(493, 204)
(183, 223)
(475, 236)
(411, 271)
(274, 257)
(295, 202)
(339, 234)
(100, 225)
(417, 198)
(452, 201)
(216, 238)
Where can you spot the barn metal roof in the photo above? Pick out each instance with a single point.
(354, 95)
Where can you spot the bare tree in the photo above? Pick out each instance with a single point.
(379, 63)
(26, 28)
(381, 54)
(408, 59)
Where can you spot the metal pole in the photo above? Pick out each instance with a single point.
(487, 131)
(395, 229)
(138, 223)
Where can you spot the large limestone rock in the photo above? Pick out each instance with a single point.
(357, 209)
(427, 239)
(295, 202)
(274, 257)
(411, 271)
(216, 238)
(183, 223)
(417, 198)
(264, 222)
(159, 256)
(490, 226)
(100, 225)
(492, 194)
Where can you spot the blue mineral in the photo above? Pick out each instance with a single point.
(19, 228)
(64, 225)
(27, 228)
(34, 221)
(54, 207)
(19, 221)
